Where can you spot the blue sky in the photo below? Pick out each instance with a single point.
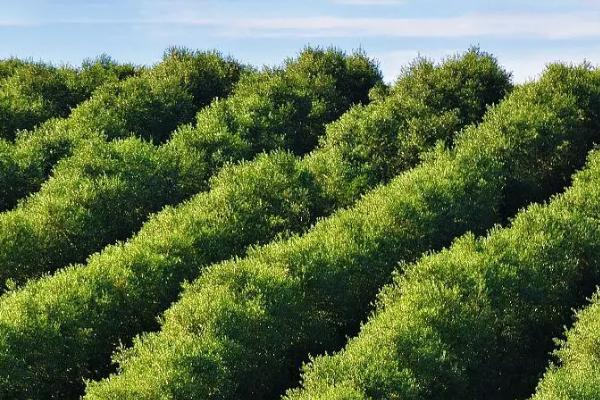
(524, 35)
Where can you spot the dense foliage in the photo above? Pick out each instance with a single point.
(31, 93)
(427, 104)
(476, 321)
(576, 376)
(275, 194)
(105, 191)
(204, 229)
(242, 328)
(149, 105)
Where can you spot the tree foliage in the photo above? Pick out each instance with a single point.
(477, 320)
(575, 375)
(275, 195)
(242, 328)
(144, 105)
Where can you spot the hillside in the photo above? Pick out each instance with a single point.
(205, 229)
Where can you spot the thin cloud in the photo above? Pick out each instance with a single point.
(135, 21)
(544, 26)
(370, 2)
(7, 23)
(547, 26)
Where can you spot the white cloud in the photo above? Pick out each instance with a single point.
(547, 26)
(544, 26)
(10, 23)
(370, 2)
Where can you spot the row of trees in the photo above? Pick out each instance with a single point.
(150, 105)
(122, 290)
(476, 321)
(105, 191)
(243, 327)
(32, 92)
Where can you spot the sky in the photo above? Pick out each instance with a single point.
(523, 34)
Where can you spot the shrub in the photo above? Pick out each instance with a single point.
(249, 203)
(575, 376)
(144, 106)
(285, 108)
(205, 74)
(428, 104)
(8, 66)
(95, 72)
(95, 197)
(136, 280)
(242, 328)
(31, 95)
(35, 92)
(104, 193)
(474, 321)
